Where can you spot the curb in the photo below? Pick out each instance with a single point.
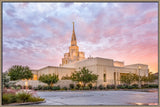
(26, 103)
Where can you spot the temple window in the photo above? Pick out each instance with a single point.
(104, 77)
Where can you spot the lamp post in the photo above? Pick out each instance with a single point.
(139, 82)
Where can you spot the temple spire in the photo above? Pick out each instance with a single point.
(73, 40)
(73, 26)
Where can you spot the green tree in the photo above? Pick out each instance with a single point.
(128, 78)
(18, 72)
(150, 78)
(49, 79)
(5, 79)
(84, 76)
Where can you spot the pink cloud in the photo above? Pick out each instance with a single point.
(125, 32)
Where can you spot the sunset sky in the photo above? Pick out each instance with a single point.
(38, 34)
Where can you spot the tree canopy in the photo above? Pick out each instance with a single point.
(18, 72)
(49, 79)
(150, 78)
(130, 77)
(84, 76)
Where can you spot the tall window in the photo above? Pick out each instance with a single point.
(104, 77)
(114, 77)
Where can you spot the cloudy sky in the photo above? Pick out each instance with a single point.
(38, 34)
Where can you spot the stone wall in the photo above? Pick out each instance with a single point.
(33, 83)
(64, 83)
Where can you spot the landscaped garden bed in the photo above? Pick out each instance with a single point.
(20, 97)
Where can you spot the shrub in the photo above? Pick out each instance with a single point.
(153, 85)
(44, 87)
(7, 85)
(24, 87)
(120, 87)
(12, 88)
(81, 88)
(49, 87)
(56, 88)
(110, 86)
(35, 88)
(78, 86)
(145, 86)
(90, 86)
(39, 87)
(18, 88)
(8, 98)
(71, 86)
(65, 88)
(95, 87)
(23, 96)
(5, 99)
(131, 87)
(19, 98)
(86, 88)
(30, 87)
(135, 85)
(101, 87)
(125, 86)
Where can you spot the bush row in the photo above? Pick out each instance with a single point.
(88, 87)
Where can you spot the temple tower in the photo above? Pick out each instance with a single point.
(73, 55)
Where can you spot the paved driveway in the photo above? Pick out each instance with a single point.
(98, 97)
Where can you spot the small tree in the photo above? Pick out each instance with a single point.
(128, 78)
(150, 78)
(84, 76)
(49, 79)
(18, 72)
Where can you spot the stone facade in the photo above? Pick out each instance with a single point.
(108, 70)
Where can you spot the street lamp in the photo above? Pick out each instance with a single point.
(139, 82)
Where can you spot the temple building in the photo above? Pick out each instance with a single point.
(73, 55)
(108, 70)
